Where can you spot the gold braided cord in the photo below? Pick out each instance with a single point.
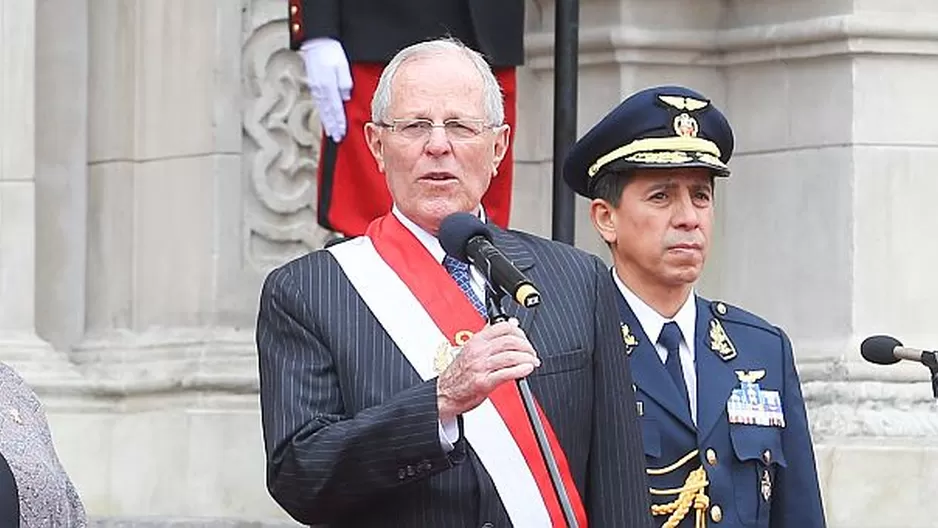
(691, 495)
(665, 470)
(680, 143)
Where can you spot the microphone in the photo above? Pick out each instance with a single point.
(886, 350)
(464, 237)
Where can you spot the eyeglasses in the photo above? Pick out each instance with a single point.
(455, 129)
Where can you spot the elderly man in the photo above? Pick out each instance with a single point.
(386, 398)
(724, 424)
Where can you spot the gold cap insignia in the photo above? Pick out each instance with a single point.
(630, 340)
(720, 342)
(749, 376)
(686, 126)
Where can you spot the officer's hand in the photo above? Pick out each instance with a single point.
(330, 83)
(496, 354)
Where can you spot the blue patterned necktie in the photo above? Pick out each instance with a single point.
(459, 270)
(670, 339)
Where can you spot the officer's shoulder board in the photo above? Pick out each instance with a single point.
(727, 313)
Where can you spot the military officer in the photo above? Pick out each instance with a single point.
(723, 420)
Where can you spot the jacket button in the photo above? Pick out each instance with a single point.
(296, 28)
(716, 513)
(410, 471)
(293, 9)
(711, 457)
(401, 474)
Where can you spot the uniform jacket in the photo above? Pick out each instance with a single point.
(757, 475)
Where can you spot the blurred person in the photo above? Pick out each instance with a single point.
(346, 43)
(35, 490)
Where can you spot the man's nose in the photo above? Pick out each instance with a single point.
(437, 142)
(684, 214)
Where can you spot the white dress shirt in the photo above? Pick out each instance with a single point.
(652, 322)
(449, 430)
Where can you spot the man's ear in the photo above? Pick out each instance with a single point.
(502, 139)
(603, 216)
(375, 143)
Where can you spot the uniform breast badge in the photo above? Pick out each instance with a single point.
(720, 342)
(630, 340)
(766, 485)
(750, 405)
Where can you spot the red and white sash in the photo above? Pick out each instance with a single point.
(421, 307)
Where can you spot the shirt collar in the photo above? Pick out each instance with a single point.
(426, 239)
(652, 322)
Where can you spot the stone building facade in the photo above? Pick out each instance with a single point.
(157, 158)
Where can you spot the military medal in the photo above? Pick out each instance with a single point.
(751, 405)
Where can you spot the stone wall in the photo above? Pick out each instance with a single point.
(158, 157)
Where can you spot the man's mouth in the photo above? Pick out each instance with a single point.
(438, 176)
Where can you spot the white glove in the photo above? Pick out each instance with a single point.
(330, 83)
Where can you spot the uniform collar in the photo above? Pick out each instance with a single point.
(652, 322)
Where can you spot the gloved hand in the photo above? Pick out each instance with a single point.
(330, 83)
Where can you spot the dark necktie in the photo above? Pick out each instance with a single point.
(459, 270)
(670, 339)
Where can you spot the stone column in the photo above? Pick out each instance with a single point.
(61, 170)
(20, 347)
(173, 264)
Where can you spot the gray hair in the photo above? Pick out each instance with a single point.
(491, 91)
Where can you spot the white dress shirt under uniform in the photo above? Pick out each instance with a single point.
(652, 322)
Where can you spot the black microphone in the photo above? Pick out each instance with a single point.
(886, 350)
(464, 237)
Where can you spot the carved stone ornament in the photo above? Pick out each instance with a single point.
(280, 148)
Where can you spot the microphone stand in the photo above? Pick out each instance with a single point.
(497, 315)
(930, 360)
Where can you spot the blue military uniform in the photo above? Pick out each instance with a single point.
(748, 460)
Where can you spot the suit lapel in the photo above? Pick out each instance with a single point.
(648, 370)
(715, 377)
(519, 255)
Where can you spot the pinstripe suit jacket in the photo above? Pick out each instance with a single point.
(351, 430)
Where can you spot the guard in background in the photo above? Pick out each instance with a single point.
(723, 419)
(345, 44)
